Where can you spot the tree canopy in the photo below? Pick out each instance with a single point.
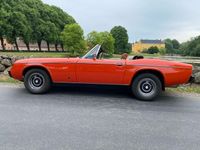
(172, 46)
(32, 21)
(120, 35)
(103, 38)
(192, 47)
(176, 44)
(73, 39)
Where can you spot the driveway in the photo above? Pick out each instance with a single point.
(96, 118)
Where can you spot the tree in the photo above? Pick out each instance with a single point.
(19, 27)
(184, 48)
(50, 33)
(172, 46)
(73, 39)
(153, 50)
(162, 51)
(120, 35)
(196, 50)
(129, 48)
(32, 21)
(15, 8)
(169, 46)
(176, 44)
(32, 16)
(104, 38)
(192, 47)
(60, 19)
(3, 26)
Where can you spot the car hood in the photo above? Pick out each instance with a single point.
(159, 63)
(47, 60)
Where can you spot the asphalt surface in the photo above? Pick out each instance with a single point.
(96, 118)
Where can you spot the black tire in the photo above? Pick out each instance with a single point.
(146, 87)
(37, 81)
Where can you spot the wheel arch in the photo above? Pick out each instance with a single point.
(36, 67)
(151, 71)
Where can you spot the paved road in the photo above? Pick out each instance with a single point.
(90, 118)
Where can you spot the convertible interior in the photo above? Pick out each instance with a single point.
(98, 53)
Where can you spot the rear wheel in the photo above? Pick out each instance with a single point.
(146, 87)
(37, 81)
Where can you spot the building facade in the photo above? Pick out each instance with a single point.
(146, 44)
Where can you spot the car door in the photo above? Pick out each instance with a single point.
(100, 71)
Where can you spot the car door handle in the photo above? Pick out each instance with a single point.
(119, 64)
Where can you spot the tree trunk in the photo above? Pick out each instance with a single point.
(62, 46)
(39, 45)
(28, 47)
(48, 46)
(16, 44)
(56, 47)
(2, 44)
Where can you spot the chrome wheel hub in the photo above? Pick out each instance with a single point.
(147, 87)
(36, 80)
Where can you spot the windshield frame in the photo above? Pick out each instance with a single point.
(93, 52)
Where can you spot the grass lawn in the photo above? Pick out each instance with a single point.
(36, 54)
(186, 89)
(63, 54)
(7, 79)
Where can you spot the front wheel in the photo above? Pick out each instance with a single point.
(146, 87)
(37, 81)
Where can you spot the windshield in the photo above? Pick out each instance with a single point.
(93, 52)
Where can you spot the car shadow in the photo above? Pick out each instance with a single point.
(114, 97)
(92, 90)
(104, 91)
(109, 97)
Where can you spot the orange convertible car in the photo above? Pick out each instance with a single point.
(146, 77)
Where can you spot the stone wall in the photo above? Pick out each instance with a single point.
(6, 62)
(196, 74)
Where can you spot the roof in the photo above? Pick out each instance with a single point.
(152, 41)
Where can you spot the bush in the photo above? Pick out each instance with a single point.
(192, 47)
(145, 51)
(178, 51)
(153, 50)
(163, 51)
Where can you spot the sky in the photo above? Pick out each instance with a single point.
(143, 19)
